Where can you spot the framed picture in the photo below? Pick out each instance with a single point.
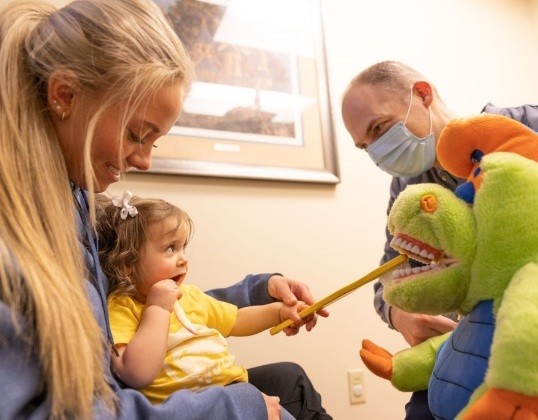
(259, 107)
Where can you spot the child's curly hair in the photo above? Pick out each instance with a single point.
(120, 240)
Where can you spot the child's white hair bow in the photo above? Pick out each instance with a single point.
(123, 203)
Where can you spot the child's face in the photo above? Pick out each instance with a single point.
(163, 256)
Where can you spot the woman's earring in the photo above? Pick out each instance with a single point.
(58, 108)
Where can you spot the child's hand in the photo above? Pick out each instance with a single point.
(164, 293)
(291, 312)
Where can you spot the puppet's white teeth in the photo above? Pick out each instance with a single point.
(408, 271)
(387, 278)
(414, 251)
(396, 242)
(403, 271)
(403, 245)
(424, 254)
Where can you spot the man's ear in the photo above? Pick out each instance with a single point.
(425, 91)
(61, 88)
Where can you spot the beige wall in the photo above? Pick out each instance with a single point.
(475, 51)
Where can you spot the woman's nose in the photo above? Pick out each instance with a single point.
(140, 159)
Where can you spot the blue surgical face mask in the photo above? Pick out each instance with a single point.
(401, 153)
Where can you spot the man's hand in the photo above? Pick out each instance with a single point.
(290, 292)
(416, 328)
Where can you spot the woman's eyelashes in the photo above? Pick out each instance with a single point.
(135, 139)
(141, 139)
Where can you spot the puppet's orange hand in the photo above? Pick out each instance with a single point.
(377, 359)
(502, 404)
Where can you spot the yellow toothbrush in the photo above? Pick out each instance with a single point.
(382, 269)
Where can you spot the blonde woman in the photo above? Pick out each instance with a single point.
(85, 91)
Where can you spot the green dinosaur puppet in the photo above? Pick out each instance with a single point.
(481, 261)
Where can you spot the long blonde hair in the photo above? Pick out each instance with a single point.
(121, 50)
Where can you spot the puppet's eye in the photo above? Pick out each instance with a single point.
(476, 156)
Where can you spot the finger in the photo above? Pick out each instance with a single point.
(445, 325)
(323, 312)
(311, 322)
(297, 320)
(292, 330)
(303, 293)
(287, 295)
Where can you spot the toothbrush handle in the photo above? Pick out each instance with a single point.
(382, 269)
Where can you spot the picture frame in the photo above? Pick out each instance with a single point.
(259, 107)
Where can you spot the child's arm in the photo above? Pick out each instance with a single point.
(254, 319)
(141, 359)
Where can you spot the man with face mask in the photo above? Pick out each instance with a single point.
(399, 152)
(396, 115)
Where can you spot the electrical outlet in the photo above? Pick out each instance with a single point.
(355, 380)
